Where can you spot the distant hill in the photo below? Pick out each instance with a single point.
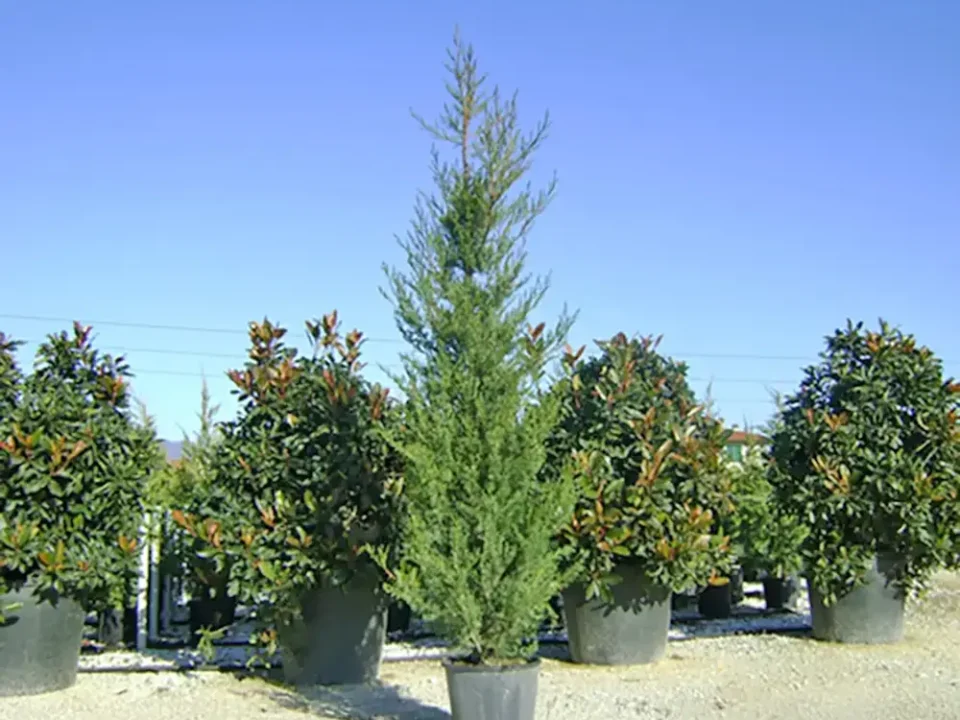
(173, 448)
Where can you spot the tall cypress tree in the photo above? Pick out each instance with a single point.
(480, 561)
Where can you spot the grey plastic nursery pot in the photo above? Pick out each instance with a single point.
(339, 639)
(39, 643)
(871, 614)
(631, 631)
(484, 692)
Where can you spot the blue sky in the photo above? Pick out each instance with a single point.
(738, 176)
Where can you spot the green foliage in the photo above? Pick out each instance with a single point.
(868, 457)
(764, 536)
(185, 485)
(10, 376)
(750, 493)
(154, 457)
(72, 464)
(478, 556)
(305, 477)
(647, 459)
(187, 479)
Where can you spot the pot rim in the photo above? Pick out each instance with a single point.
(460, 666)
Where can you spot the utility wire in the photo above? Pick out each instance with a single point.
(178, 373)
(216, 373)
(186, 373)
(235, 331)
(236, 357)
(148, 326)
(741, 356)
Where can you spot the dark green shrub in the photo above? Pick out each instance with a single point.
(868, 457)
(73, 462)
(305, 478)
(765, 537)
(647, 459)
(186, 485)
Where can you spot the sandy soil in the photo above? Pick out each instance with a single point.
(756, 677)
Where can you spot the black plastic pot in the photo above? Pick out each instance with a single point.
(780, 592)
(684, 600)
(130, 627)
(211, 613)
(715, 602)
(482, 692)
(871, 614)
(39, 644)
(630, 631)
(339, 639)
(398, 617)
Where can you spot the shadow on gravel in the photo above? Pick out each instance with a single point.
(356, 702)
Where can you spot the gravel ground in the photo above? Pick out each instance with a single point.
(757, 677)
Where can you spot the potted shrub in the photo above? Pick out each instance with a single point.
(305, 481)
(117, 628)
(71, 472)
(780, 561)
(767, 539)
(477, 555)
(868, 456)
(184, 485)
(650, 479)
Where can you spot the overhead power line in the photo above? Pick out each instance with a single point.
(236, 357)
(743, 356)
(218, 372)
(168, 351)
(237, 331)
(178, 373)
(189, 373)
(118, 323)
(148, 326)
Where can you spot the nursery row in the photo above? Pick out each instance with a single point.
(511, 470)
(300, 501)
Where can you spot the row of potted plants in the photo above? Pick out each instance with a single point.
(491, 488)
(766, 539)
(603, 537)
(182, 486)
(765, 543)
(605, 517)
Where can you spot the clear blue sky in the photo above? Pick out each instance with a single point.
(739, 176)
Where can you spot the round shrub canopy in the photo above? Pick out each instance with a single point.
(648, 463)
(73, 461)
(305, 476)
(867, 457)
